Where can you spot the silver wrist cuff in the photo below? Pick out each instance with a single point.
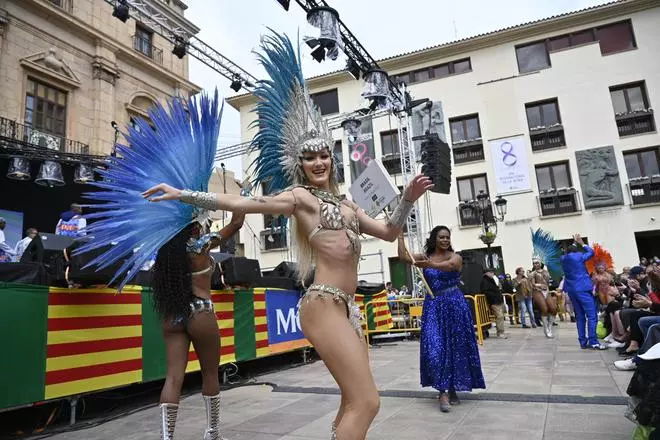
(202, 199)
(400, 213)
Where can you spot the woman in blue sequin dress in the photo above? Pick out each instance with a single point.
(449, 357)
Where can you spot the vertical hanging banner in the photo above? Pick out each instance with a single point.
(359, 137)
(509, 156)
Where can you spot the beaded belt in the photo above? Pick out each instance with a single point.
(197, 305)
(352, 310)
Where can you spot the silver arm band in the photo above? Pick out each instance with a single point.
(202, 199)
(400, 213)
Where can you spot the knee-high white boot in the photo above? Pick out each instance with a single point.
(212, 404)
(168, 412)
(551, 320)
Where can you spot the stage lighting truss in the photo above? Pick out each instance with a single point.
(169, 29)
(329, 41)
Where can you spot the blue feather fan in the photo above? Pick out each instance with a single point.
(179, 150)
(547, 250)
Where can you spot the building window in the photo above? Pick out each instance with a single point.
(556, 194)
(616, 37)
(143, 42)
(612, 38)
(327, 102)
(468, 190)
(467, 145)
(532, 57)
(428, 73)
(632, 110)
(391, 159)
(339, 161)
(45, 108)
(544, 121)
(67, 5)
(643, 169)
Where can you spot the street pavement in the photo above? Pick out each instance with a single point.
(537, 388)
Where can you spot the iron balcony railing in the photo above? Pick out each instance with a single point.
(559, 202)
(543, 138)
(635, 122)
(644, 190)
(146, 47)
(12, 132)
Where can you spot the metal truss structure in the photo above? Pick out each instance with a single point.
(152, 16)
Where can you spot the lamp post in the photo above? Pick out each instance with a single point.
(489, 219)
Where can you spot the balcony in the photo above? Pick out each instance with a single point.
(645, 190)
(635, 122)
(19, 138)
(66, 5)
(468, 151)
(563, 201)
(146, 48)
(545, 138)
(392, 163)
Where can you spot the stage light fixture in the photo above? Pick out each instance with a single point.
(329, 41)
(19, 168)
(83, 174)
(50, 174)
(121, 11)
(284, 4)
(353, 69)
(180, 47)
(236, 84)
(377, 89)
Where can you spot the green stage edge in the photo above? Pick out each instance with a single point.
(24, 325)
(154, 365)
(245, 338)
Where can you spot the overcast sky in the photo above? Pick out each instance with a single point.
(384, 27)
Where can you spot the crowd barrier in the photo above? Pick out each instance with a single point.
(412, 319)
(513, 309)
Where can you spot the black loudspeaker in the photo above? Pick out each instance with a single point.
(436, 163)
(89, 276)
(287, 269)
(471, 276)
(277, 282)
(240, 271)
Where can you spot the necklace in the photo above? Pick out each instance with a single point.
(324, 195)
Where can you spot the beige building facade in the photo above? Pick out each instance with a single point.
(576, 92)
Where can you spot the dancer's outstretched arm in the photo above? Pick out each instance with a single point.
(390, 230)
(281, 204)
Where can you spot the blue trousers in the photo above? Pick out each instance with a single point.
(586, 317)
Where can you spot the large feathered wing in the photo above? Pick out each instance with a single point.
(547, 250)
(179, 150)
(601, 257)
(286, 116)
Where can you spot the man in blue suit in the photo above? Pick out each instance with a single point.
(578, 285)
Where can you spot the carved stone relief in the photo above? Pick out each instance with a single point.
(599, 177)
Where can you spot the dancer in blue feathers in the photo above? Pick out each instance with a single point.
(545, 264)
(179, 149)
(449, 357)
(295, 158)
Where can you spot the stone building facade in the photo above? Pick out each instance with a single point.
(69, 68)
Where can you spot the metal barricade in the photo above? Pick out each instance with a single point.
(411, 318)
(513, 310)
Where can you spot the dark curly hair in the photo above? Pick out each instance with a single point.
(429, 247)
(172, 282)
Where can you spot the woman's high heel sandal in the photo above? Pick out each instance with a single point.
(168, 412)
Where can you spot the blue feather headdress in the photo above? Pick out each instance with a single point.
(178, 150)
(288, 121)
(546, 250)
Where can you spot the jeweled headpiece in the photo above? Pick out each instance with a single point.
(288, 121)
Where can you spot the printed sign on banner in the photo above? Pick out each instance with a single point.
(510, 164)
(284, 332)
(360, 141)
(373, 190)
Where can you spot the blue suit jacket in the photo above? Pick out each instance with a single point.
(576, 277)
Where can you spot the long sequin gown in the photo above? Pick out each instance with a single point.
(449, 357)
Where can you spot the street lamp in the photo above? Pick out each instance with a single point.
(483, 210)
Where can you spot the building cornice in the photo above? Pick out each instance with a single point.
(121, 50)
(463, 47)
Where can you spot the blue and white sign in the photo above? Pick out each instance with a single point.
(509, 156)
(283, 316)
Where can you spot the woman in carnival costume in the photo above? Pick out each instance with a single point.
(179, 149)
(546, 254)
(295, 158)
(598, 266)
(449, 357)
